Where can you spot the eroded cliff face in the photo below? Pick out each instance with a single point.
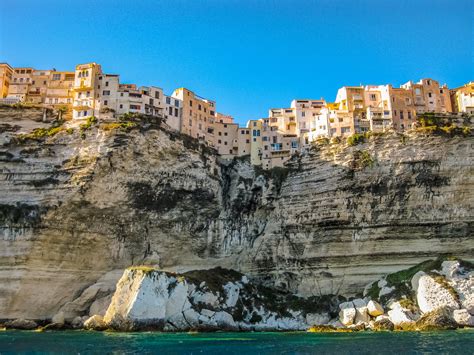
(73, 210)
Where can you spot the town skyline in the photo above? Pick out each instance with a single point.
(248, 55)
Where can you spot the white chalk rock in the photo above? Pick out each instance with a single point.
(224, 320)
(398, 316)
(58, 318)
(431, 294)
(232, 294)
(374, 308)
(362, 315)
(95, 322)
(462, 317)
(347, 313)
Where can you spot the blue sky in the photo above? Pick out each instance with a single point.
(248, 55)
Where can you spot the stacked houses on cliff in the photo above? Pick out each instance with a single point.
(269, 141)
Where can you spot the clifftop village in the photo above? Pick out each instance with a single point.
(269, 141)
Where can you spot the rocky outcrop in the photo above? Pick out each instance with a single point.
(215, 299)
(78, 204)
(21, 324)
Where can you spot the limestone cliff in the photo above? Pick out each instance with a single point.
(80, 203)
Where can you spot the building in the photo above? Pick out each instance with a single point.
(59, 89)
(198, 114)
(6, 74)
(429, 96)
(462, 98)
(86, 88)
(173, 108)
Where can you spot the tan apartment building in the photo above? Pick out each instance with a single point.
(462, 98)
(198, 114)
(6, 74)
(402, 108)
(429, 96)
(59, 89)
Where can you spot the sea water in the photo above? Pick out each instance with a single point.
(84, 342)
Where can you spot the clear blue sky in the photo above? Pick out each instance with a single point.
(248, 55)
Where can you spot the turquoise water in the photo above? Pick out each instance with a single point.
(452, 342)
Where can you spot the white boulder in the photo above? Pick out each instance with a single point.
(58, 318)
(347, 313)
(232, 294)
(362, 315)
(374, 308)
(224, 320)
(95, 322)
(462, 317)
(432, 294)
(400, 316)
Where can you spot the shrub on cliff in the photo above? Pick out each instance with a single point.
(355, 139)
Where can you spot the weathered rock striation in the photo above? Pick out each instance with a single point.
(75, 212)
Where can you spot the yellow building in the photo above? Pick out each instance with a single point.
(6, 74)
(462, 98)
(85, 90)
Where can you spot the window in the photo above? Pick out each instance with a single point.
(409, 115)
(220, 133)
(170, 109)
(254, 124)
(345, 129)
(175, 112)
(135, 107)
(219, 141)
(157, 94)
(394, 112)
(106, 92)
(56, 76)
(428, 82)
(440, 91)
(105, 102)
(265, 138)
(373, 97)
(168, 100)
(190, 122)
(225, 133)
(85, 113)
(225, 143)
(429, 94)
(247, 141)
(191, 103)
(121, 106)
(212, 113)
(151, 102)
(199, 107)
(56, 100)
(294, 144)
(276, 146)
(303, 114)
(401, 115)
(176, 103)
